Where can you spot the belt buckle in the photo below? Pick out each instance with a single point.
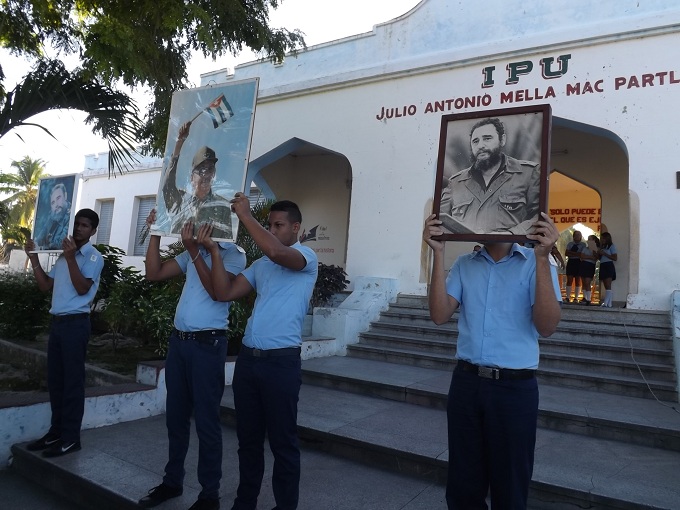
(257, 353)
(488, 372)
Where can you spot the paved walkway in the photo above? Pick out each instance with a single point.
(128, 459)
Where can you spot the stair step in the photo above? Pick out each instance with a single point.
(412, 440)
(638, 420)
(658, 325)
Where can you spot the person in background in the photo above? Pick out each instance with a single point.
(194, 369)
(589, 258)
(573, 265)
(608, 256)
(73, 280)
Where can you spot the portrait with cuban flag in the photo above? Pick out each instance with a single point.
(206, 158)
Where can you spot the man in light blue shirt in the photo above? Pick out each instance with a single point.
(507, 296)
(74, 280)
(194, 368)
(267, 376)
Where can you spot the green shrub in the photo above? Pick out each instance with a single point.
(331, 280)
(23, 307)
(120, 309)
(112, 271)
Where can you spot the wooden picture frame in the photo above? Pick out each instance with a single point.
(492, 173)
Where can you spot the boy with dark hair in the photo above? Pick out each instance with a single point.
(267, 376)
(74, 280)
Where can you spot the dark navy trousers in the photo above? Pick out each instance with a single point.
(66, 351)
(194, 377)
(492, 435)
(266, 392)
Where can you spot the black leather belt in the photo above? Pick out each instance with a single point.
(70, 317)
(495, 373)
(205, 336)
(260, 353)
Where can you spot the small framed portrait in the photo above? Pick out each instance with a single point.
(206, 159)
(54, 211)
(492, 173)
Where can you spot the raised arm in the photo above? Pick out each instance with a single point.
(156, 270)
(45, 283)
(277, 252)
(79, 282)
(171, 194)
(441, 304)
(546, 311)
(222, 282)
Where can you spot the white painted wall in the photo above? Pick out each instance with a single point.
(125, 190)
(331, 95)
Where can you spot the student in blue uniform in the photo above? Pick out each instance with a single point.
(267, 376)
(507, 296)
(608, 256)
(74, 280)
(197, 351)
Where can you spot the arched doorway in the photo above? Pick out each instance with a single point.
(320, 182)
(590, 164)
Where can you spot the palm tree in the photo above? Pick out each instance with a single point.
(22, 187)
(50, 86)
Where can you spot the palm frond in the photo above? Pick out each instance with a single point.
(50, 86)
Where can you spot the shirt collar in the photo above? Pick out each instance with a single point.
(515, 249)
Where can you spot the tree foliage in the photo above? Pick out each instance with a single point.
(143, 42)
(22, 188)
(50, 86)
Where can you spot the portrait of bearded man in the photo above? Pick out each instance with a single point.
(55, 226)
(497, 194)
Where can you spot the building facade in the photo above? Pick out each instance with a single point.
(350, 130)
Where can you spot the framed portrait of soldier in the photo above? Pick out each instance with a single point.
(206, 158)
(54, 211)
(492, 173)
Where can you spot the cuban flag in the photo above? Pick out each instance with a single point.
(219, 111)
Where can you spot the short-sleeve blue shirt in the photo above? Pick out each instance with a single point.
(282, 301)
(196, 310)
(495, 326)
(65, 298)
(608, 251)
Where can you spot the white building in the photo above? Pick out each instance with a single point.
(350, 130)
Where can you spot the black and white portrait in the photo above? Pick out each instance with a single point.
(491, 173)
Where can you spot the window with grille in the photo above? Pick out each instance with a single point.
(105, 222)
(145, 206)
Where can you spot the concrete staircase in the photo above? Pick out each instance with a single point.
(373, 425)
(619, 351)
(604, 440)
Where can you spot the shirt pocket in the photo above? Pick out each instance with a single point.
(512, 203)
(460, 202)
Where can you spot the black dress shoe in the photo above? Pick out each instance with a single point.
(158, 494)
(46, 441)
(62, 448)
